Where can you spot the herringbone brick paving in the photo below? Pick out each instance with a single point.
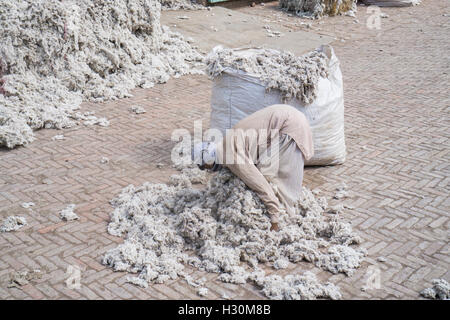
(397, 170)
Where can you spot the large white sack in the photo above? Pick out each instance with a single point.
(392, 3)
(236, 95)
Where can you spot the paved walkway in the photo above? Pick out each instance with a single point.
(397, 131)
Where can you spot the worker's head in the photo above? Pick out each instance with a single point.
(204, 155)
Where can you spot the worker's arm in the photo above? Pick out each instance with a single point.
(253, 178)
(233, 152)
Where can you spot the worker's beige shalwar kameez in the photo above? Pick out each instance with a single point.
(272, 167)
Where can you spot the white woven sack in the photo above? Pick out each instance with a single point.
(236, 95)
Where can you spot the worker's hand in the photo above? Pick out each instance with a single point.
(274, 227)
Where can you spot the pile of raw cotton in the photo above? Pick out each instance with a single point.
(224, 228)
(319, 8)
(54, 54)
(181, 5)
(294, 77)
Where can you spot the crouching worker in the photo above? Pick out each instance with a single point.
(266, 150)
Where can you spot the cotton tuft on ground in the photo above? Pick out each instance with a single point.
(13, 223)
(224, 229)
(54, 54)
(439, 291)
(318, 8)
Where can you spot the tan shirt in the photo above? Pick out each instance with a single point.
(280, 118)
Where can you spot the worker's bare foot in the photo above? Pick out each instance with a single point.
(274, 227)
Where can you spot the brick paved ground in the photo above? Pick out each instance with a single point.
(397, 131)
